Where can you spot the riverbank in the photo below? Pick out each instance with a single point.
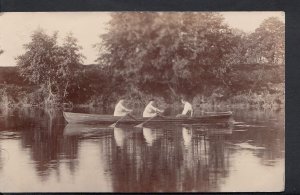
(89, 90)
(249, 100)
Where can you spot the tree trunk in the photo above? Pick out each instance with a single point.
(172, 90)
(50, 99)
(65, 90)
(51, 114)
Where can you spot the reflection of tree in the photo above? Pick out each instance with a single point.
(195, 171)
(42, 133)
(267, 131)
(168, 164)
(207, 160)
(218, 158)
(194, 159)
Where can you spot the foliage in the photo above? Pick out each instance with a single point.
(9, 75)
(267, 43)
(91, 80)
(156, 52)
(258, 58)
(49, 65)
(11, 94)
(254, 77)
(153, 55)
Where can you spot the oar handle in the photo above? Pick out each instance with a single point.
(140, 125)
(114, 124)
(132, 116)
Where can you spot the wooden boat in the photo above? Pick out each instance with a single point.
(216, 117)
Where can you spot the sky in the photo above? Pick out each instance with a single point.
(16, 28)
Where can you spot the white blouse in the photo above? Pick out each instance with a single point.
(187, 107)
(120, 110)
(150, 111)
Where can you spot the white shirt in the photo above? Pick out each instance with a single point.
(187, 107)
(150, 111)
(148, 135)
(120, 110)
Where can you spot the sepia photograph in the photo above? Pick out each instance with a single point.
(142, 101)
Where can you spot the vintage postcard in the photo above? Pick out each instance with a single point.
(142, 102)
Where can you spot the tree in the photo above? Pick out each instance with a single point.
(181, 53)
(49, 65)
(72, 59)
(268, 42)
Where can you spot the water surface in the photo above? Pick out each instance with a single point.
(40, 152)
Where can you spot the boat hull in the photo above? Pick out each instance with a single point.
(82, 118)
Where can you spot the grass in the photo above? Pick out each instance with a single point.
(16, 96)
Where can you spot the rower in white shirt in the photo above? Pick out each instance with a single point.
(120, 109)
(150, 110)
(187, 110)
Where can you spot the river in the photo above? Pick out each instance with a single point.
(39, 152)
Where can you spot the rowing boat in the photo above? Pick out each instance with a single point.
(216, 117)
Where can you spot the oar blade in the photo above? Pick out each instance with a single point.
(139, 125)
(113, 125)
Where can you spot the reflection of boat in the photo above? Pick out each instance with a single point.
(212, 130)
(77, 129)
(216, 117)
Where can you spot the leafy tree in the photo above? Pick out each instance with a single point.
(255, 56)
(239, 52)
(93, 84)
(72, 59)
(268, 42)
(49, 65)
(182, 53)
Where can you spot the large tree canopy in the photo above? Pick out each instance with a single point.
(180, 52)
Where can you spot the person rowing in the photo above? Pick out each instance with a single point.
(150, 110)
(120, 109)
(122, 112)
(187, 109)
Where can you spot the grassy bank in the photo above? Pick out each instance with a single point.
(89, 91)
(13, 97)
(263, 100)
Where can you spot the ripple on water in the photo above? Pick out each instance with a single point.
(9, 135)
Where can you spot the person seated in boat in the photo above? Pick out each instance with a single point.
(187, 110)
(150, 110)
(120, 109)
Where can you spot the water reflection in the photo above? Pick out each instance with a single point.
(151, 135)
(119, 135)
(76, 157)
(187, 136)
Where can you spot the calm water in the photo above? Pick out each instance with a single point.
(39, 152)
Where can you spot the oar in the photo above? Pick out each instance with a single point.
(114, 124)
(141, 125)
(132, 117)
